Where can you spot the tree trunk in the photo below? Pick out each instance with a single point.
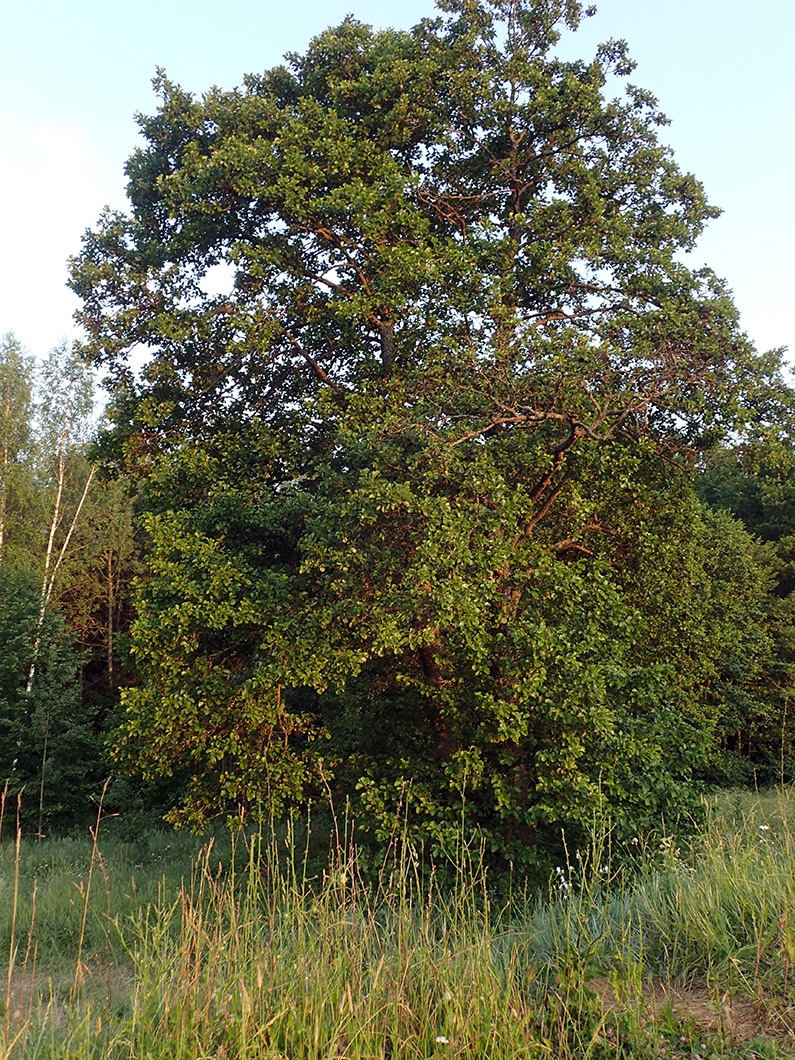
(50, 568)
(433, 675)
(387, 332)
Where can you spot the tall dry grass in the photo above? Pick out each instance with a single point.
(253, 956)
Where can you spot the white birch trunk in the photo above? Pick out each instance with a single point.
(51, 568)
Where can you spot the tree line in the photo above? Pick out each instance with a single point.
(465, 498)
(67, 558)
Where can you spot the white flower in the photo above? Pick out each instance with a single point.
(441, 1040)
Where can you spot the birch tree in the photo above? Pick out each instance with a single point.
(64, 408)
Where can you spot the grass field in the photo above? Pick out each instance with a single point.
(236, 948)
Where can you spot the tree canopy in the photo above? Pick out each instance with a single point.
(425, 372)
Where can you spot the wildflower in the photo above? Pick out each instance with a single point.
(441, 1040)
(564, 884)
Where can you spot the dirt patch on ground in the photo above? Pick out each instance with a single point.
(735, 1019)
(39, 991)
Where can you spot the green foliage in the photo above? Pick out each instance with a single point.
(417, 477)
(48, 743)
(755, 483)
(95, 589)
(16, 406)
(67, 556)
(65, 391)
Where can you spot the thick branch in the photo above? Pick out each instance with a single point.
(310, 360)
(387, 332)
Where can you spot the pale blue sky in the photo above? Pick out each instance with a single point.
(72, 75)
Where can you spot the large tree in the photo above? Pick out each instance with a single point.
(425, 371)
